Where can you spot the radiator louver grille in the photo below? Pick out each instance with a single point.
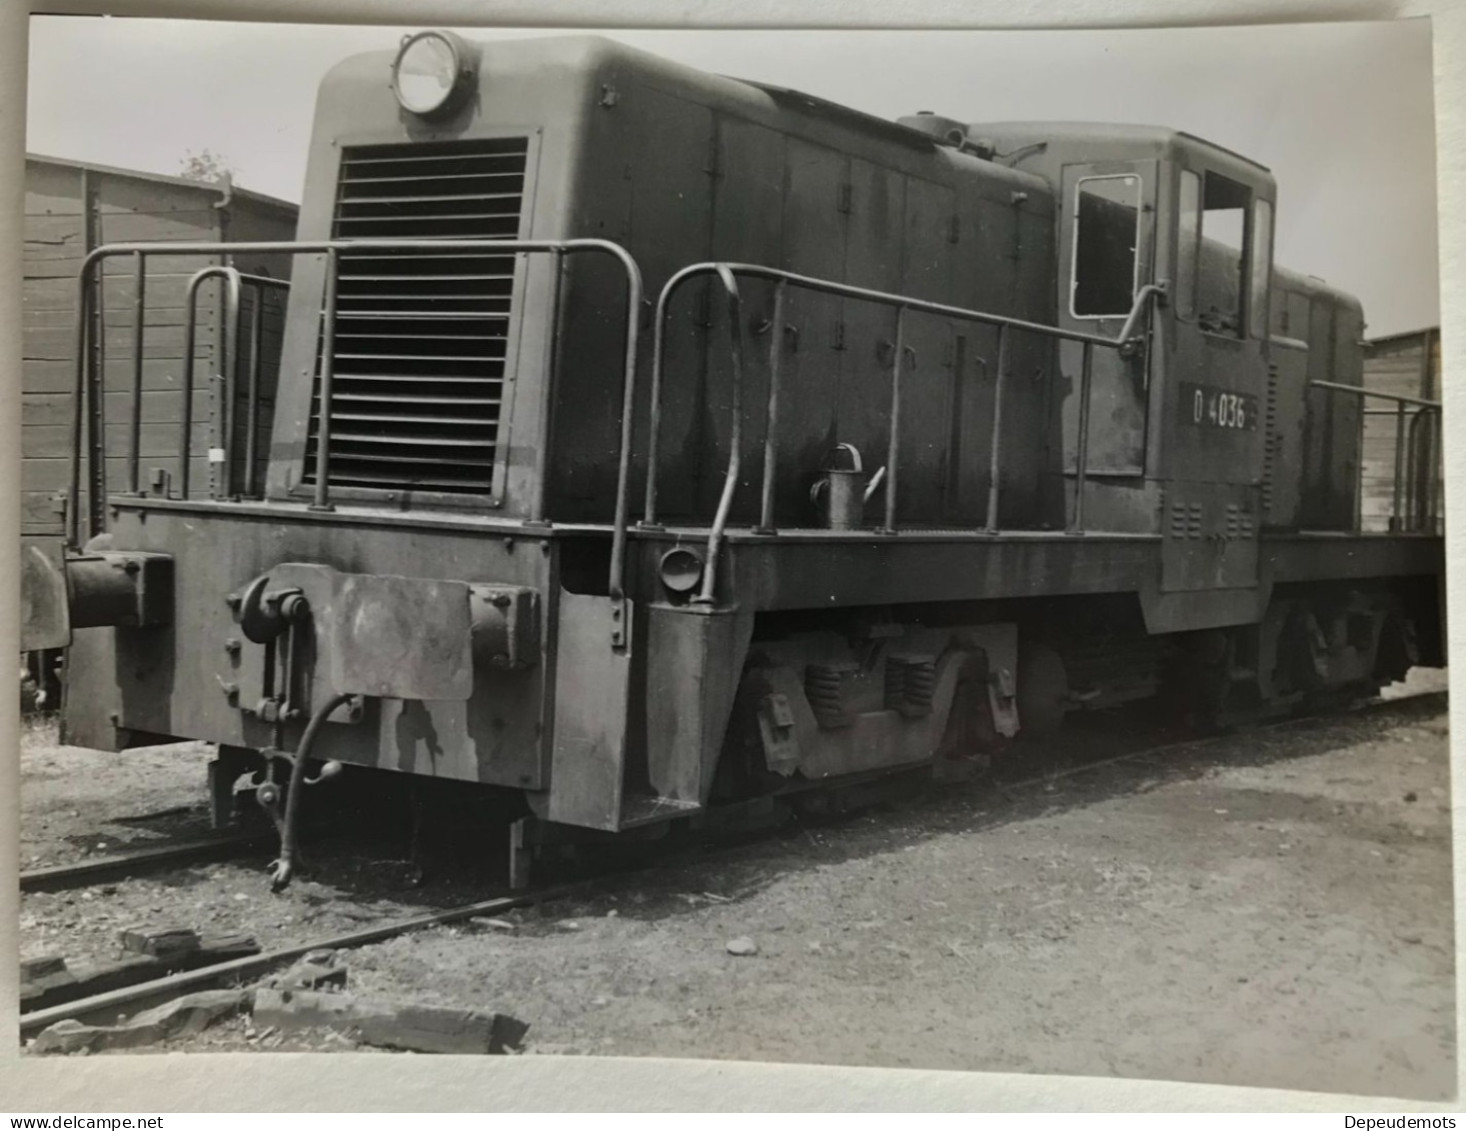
(421, 337)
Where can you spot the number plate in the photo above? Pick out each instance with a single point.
(1204, 407)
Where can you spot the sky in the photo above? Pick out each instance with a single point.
(1342, 113)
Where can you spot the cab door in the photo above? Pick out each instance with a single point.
(1107, 252)
(1217, 385)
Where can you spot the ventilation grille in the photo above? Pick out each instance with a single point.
(1272, 441)
(1185, 520)
(421, 336)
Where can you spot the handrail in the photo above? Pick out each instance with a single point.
(333, 249)
(1130, 331)
(1361, 391)
(234, 280)
(826, 286)
(1130, 337)
(735, 445)
(1423, 407)
(252, 395)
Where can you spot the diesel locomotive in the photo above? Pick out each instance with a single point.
(645, 439)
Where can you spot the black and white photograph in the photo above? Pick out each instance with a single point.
(874, 548)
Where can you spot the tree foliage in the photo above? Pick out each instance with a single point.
(207, 167)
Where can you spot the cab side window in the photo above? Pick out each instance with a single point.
(1106, 242)
(1224, 260)
(1221, 268)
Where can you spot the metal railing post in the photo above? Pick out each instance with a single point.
(893, 444)
(185, 421)
(771, 414)
(995, 455)
(616, 581)
(1395, 522)
(80, 400)
(1081, 455)
(252, 405)
(135, 425)
(735, 439)
(546, 421)
(322, 500)
(654, 396)
(229, 373)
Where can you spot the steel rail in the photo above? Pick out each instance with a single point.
(238, 969)
(1201, 742)
(61, 877)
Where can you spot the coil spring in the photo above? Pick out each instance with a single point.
(911, 684)
(824, 684)
(921, 686)
(896, 683)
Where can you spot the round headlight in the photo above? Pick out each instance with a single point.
(681, 570)
(432, 72)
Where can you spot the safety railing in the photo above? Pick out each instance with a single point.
(728, 274)
(89, 406)
(1413, 503)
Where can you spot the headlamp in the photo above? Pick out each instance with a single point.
(432, 73)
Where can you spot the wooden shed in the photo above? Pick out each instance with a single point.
(1405, 364)
(71, 208)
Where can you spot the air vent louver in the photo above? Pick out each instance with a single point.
(421, 336)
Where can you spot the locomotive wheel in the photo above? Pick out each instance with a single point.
(1043, 689)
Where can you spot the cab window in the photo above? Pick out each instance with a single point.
(1106, 239)
(1222, 261)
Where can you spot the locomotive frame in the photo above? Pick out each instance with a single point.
(494, 614)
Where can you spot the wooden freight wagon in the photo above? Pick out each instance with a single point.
(1405, 364)
(71, 208)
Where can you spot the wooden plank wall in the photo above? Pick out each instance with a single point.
(1399, 365)
(123, 208)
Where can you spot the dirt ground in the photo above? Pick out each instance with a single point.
(1272, 908)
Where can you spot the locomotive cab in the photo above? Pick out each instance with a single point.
(1176, 435)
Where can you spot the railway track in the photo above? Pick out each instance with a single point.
(125, 865)
(108, 1007)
